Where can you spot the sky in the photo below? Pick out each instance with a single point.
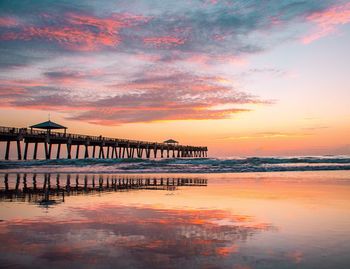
(245, 78)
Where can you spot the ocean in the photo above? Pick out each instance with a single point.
(182, 165)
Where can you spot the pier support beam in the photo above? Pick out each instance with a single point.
(93, 151)
(50, 149)
(19, 151)
(69, 149)
(35, 150)
(102, 153)
(128, 152)
(7, 153)
(25, 150)
(58, 151)
(117, 152)
(148, 153)
(139, 152)
(107, 156)
(77, 152)
(46, 151)
(86, 155)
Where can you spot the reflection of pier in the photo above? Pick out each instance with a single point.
(48, 189)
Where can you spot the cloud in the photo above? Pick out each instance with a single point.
(266, 135)
(13, 58)
(327, 21)
(274, 72)
(163, 41)
(114, 116)
(76, 31)
(315, 128)
(151, 96)
(8, 22)
(192, 27)
(182, 38)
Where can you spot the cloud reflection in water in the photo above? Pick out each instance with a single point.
(129, 237)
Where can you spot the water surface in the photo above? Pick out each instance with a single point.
(181, 165)
(246, 220)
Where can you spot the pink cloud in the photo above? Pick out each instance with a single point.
(80, 32)
(164, 40)
(8, 22)
(327, 21)
(151, 96)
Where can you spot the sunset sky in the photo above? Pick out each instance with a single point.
(245, 78)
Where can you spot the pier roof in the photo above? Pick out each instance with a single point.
(171, 141)
(47, 125)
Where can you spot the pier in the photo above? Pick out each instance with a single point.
(92, 146)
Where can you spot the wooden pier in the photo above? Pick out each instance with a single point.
(93, 146)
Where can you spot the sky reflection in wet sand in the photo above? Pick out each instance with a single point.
(259, 221)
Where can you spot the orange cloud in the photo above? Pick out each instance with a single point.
(225, 251)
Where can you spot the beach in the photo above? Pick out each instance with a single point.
(235, 220)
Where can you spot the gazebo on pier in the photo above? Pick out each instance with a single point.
(48, 126)
(171, 142)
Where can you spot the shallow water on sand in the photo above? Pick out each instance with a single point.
(246, 220)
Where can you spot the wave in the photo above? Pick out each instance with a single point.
(180, 165)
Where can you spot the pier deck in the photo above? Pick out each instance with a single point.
(100, 147)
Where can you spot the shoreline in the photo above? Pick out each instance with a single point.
(172, 173)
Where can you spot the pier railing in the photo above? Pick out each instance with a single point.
(53, 134)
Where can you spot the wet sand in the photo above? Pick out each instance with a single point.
(247, 220)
